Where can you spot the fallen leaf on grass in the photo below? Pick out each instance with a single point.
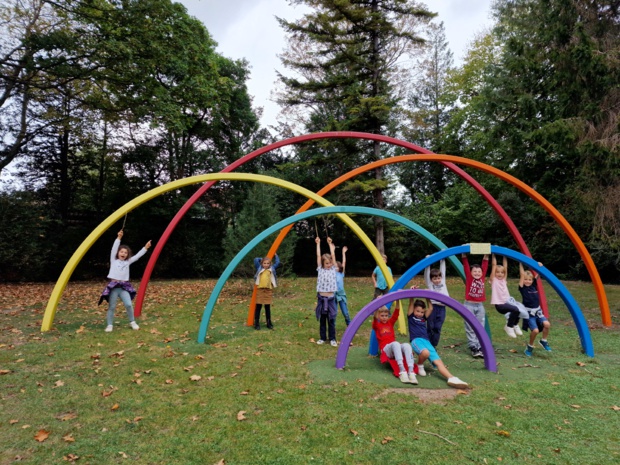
(195, 418)
(114, 407)
(118, 354)
(4, 372)
(498, 424)
(169, 381)
(195, 378)
(512, 351)
(123, 454)
(241, 415)
(503, 433)
(12, 422)
(312, 340)
(58, 383)
(67, 416)
(42, 435)
(71, 457)
(244, 393)
(386, 439)
(354, 433)
(68, 438)
(614, 408)
(81, 330)
(221, 462)
(576, 406)
(580, 364)
(189, 368)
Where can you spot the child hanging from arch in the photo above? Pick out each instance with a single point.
(119, 285)
(504, 303)
(531, 300)
(266, 280)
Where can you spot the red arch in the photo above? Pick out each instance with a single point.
(317, 136)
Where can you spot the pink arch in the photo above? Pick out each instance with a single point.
(316, 136)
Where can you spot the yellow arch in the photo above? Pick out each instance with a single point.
(61, 284)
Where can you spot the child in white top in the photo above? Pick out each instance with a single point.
(326, 288)
(119, 285)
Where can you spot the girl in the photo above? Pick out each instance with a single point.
(326, 288)
(265, 279)
(119, 285)
(389, 347)
(416, 316)
(341, 295)
(500, 297)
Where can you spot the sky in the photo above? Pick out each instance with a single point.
(248, 29)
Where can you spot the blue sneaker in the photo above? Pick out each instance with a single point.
(529, 350)
(545, 345)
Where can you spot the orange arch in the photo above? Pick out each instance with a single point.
(557, 216)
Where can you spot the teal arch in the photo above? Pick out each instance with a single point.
(204, 323)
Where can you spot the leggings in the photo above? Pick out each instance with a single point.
(512, 311)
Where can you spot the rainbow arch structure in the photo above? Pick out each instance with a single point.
(485, 342)
(206, 316)
(563, 292)
(317, 136)
(61, 284)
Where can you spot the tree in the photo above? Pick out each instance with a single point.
(346, 56)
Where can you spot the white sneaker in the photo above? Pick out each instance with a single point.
(457, 383)
(421, 370)
(518, 331)
(404, 377)
(412, 378)
(320, 341)
(109, 328)
(510, 331)
(333, 343)
(134, 325)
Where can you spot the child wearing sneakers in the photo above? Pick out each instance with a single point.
(326, 287)
(474, 299)
(417, 315)
(504, 303)
(119, 285)
(389, 347)
(531, 300)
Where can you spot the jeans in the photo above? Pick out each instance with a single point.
(345, 310)
(125, 298)
(326, 321)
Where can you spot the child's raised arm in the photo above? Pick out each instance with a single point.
(429, 308)
(493, 267)
(332, 250)
(344, 258)
(147, 246)
(318, 252)
(521, 274)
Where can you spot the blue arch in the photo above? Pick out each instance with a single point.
(565, 295)
(485, 342)
(206, 316)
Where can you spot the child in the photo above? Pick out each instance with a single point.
(119, 285)
(389, 347)
(531, 300)
(417, 314)
(435, 280)
(474, 298)
(379, 280)
(326, 287)
(266, 280)
(500, 297)
(341, 295)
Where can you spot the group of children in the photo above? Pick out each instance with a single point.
(425, 320)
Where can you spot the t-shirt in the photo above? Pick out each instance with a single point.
(474, 288)
(499, 291)
(340, 282)
(381, 282)
(531, 298)
(441, 287)
(326, 279)
(417, 327)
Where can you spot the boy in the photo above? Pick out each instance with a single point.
(416, 316)
(379, 280)
(531, 301)
(474, 299)
(435, 280)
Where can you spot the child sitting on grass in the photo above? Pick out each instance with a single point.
(531, 301)
(417, 315)
(389, 347)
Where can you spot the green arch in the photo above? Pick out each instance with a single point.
(206, 316)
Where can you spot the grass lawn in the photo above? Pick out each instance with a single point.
(156, 396)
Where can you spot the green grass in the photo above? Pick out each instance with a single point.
(555, 408)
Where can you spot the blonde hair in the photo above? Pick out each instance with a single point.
(324, 257)
(529, 274)
(500, 268)
(380, 310)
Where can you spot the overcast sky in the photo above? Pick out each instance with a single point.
(248, 29)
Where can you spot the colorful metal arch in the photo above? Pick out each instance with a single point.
(52, 303)
(563, 292)
(485, 342)
(206, 316)
(317, 136)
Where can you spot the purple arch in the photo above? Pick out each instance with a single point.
(159, 245)
(485, 342)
